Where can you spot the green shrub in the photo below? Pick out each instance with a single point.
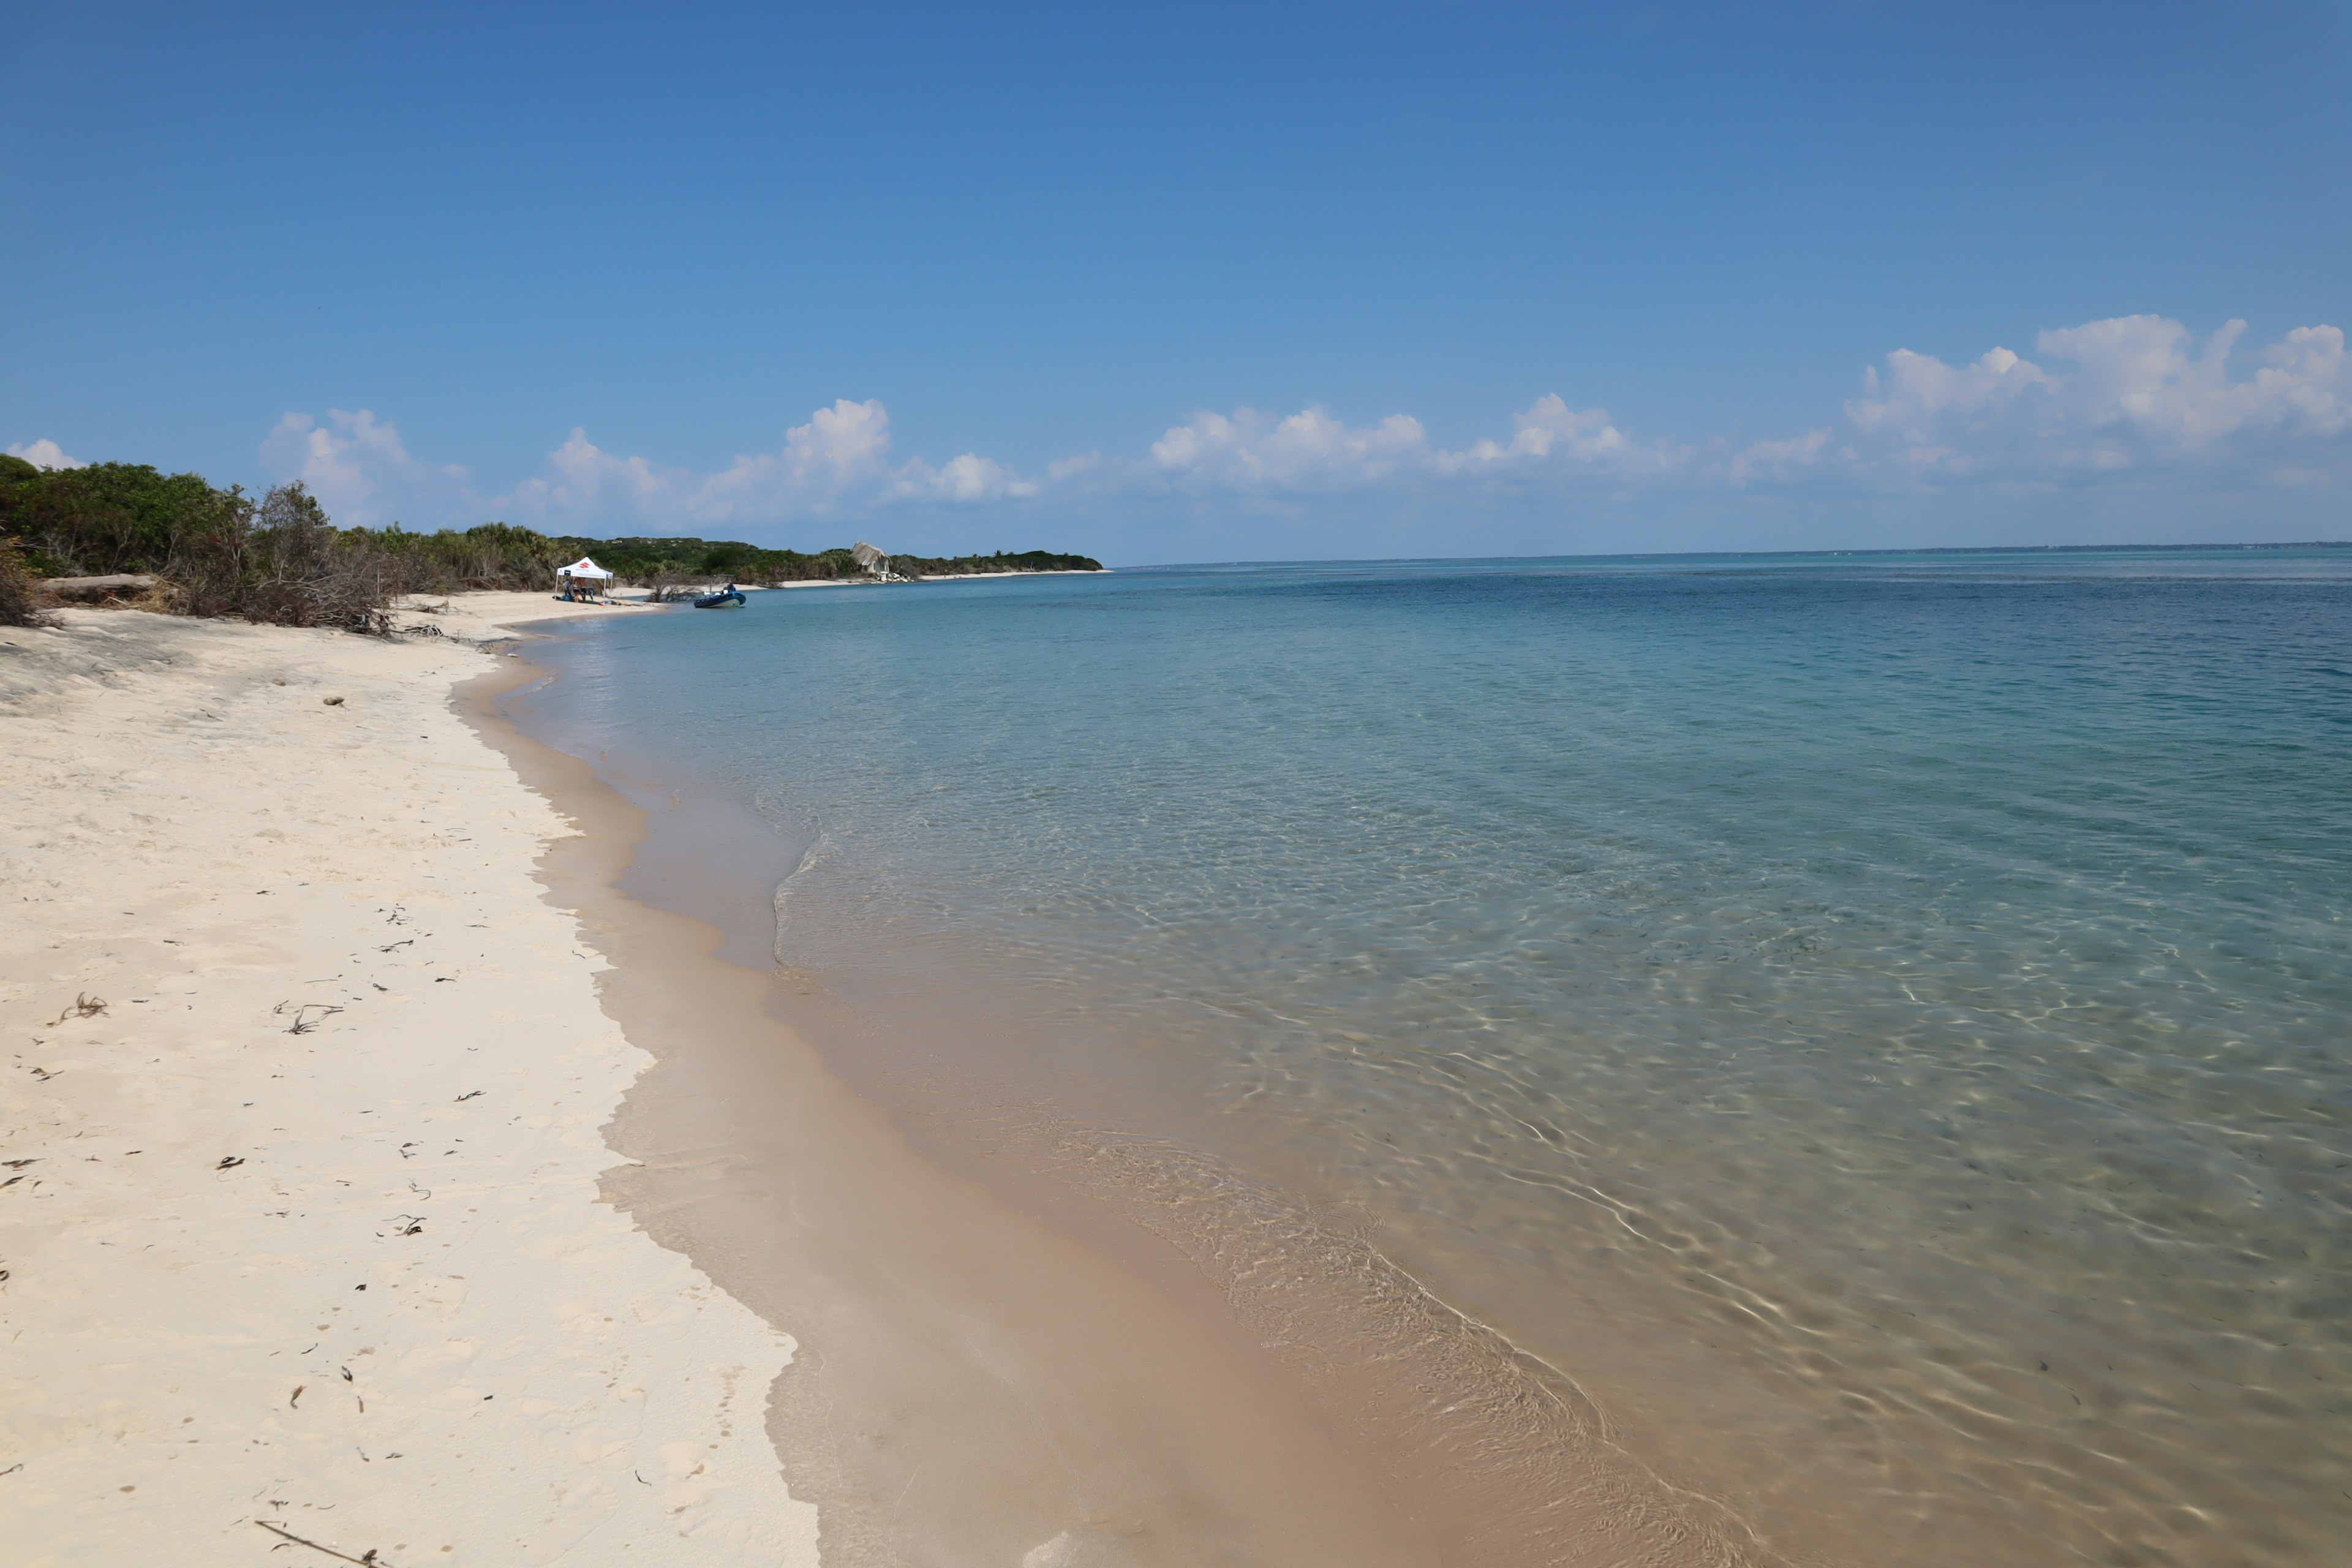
(20, 604)
(110, 517)
(283, 561)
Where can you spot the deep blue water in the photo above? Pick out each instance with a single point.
(1878, 1023)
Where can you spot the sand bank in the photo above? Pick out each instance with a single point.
(302, 1226)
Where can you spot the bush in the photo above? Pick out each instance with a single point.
(492, 556)
(284, 561)
(20, 604)
(295, 569)
(108, 517)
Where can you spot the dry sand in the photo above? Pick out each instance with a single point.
(302, 1228)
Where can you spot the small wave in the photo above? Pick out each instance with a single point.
(821, 849)
(1505, 1444)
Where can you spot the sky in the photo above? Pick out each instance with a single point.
(1208, 282)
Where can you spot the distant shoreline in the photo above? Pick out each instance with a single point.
(937, 577)
(1753, 554)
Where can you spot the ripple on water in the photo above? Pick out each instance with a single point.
(1856, 1046)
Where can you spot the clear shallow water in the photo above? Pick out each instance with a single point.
(1878, 1023)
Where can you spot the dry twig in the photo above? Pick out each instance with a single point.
(368, 1561)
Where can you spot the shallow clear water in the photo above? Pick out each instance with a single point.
(1878, 1023)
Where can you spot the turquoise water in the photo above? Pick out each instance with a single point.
(1878, 1024)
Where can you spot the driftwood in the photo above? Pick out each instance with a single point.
(97, 590)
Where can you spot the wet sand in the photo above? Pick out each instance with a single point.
(961, 1347)
(1001, 1364)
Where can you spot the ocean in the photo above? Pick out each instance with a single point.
(1872, 1033)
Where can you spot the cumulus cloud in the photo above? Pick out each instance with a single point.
(1313, 450)
(839, 462)
(2128, 392)
(46, 454)
(359, 470)
(2132, 394)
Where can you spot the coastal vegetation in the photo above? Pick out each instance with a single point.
(646, 561)
(281, 559)
(20, 604)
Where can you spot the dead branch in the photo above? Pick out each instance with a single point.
(370, 1560)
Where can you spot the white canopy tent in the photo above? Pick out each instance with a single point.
(584, 576)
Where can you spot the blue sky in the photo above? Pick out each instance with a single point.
(1168, 283)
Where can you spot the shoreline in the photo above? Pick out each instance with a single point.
(1477, 1450)
(975, 1386)
(349, 1279)
(966, 1357)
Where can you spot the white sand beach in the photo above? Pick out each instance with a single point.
(303, 1243)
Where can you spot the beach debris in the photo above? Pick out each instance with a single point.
(43, 1074)
(295, 1400)
(406, 1225)
(83, 1006)
(405, 942)
(398, 916)
(368, 1559)
(229, 1161)
(332, 701)
(468, 1095)
(27, 1160)
(103, 590)
(304, 1023)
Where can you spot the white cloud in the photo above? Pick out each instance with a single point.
(2140, 393)
(838, 463)
(2129, 395)
(969, 477)
(46, 454)
(357, 467)
(1785, 461)
(1313, 450)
